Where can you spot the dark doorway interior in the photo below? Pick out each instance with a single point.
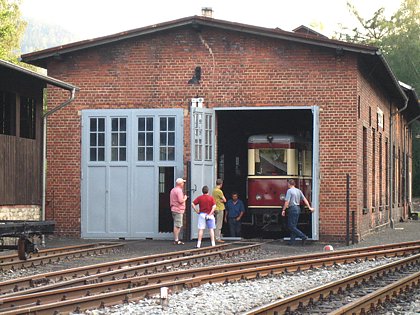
(166, 183)
(234, 127)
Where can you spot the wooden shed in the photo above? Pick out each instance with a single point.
(22, 111)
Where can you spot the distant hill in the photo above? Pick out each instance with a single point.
(40, 36)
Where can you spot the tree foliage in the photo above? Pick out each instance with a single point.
(399, 39)
(11, 29)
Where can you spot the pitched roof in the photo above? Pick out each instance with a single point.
(372, 57)
(33, 74)
(306, 30)
(196, 22)
(413, 108)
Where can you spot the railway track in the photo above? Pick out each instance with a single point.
(98, 290)
(372, 287)
(118, 269)
(45, 256)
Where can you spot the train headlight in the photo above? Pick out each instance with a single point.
(258, 197)
(282, 197)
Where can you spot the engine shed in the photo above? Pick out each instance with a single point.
(182, 98)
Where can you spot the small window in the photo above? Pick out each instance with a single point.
(208, 140)
(145, 139)
(97, 139)
(167, 139)
(365, 169)
(198, 134)
(118, 139)
(7, 113)
(27, 117)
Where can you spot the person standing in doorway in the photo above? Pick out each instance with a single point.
(207, 205)
(294, 196)
(220, 207)
(234, 211)
(177, 200)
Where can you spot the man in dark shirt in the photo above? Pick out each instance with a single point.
(234, 211)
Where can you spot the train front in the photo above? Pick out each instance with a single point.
(272, 160)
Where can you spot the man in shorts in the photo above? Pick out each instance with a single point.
(177, 200)
(205, 212)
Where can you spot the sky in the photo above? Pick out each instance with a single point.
(93, 18)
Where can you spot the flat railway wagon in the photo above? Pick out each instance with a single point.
(272, 160)
(26, 232)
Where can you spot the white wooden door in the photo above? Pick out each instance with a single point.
(202, 155)
(122, 151)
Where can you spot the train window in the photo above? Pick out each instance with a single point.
(271, 161)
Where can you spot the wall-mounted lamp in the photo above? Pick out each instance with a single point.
(196, 77)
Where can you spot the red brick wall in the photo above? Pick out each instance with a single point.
(377, 213)
(237, 70)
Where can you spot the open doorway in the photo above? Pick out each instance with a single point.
(234, 129)
(166, 183)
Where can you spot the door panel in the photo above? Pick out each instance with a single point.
(96, 221)
(143, 222)
(202, 155)
(118, 201)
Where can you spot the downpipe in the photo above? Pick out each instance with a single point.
(44, 151)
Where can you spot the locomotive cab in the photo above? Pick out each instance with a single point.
(272, 160)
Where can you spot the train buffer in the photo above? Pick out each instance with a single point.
(25, 231)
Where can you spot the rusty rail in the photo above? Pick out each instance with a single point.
(123, 268)
(293, 302)
(150, 284)
(12, 262)
(368, 302)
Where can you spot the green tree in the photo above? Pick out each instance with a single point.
(11, 29)
(399, 39)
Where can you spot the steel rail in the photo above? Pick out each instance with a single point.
(137, 266)
(97, 284)
(12, 262)
(293, 302)
(83, 275)
(368, 302)
(42, 252)
(133, 294)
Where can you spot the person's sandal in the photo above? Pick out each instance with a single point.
(178, 243)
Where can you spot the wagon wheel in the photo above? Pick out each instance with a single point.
(22, 254)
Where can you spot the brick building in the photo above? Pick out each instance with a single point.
(181, 99)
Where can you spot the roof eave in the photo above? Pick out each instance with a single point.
(196, 21)
(46, 79)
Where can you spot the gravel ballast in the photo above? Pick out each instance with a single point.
(241, 296)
